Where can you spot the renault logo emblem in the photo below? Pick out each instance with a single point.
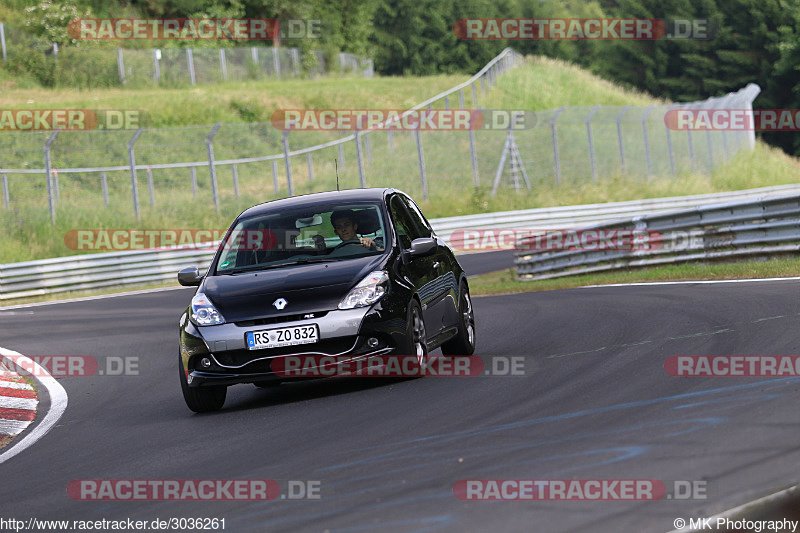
(280, 303)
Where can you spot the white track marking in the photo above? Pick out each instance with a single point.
(688, 282)
(58, 403)
(91, 298)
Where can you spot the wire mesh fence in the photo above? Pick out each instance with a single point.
(109, 67)
(228, 164)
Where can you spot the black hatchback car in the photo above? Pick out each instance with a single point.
(357, 273)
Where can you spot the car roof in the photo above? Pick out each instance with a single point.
(308, 200)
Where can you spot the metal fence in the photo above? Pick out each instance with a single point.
(745, 230)
(217, 165)
(228, 161)
(572, 144)
(179, 65)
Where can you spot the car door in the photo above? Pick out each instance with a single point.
(418, 270)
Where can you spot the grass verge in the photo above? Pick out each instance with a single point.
(505, 282)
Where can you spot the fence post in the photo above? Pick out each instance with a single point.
(619, 137)
(104, 185)
(341, 156)
(476, 180)
(275, 175)
(48, 172)
(190, 64)
(669, 148)
(276, 62)
(554, 135)
(132, 163)
(193, 173)
(461, 99)
(647, 142)
(483, 85)
(223, 64)
(235, 174)
(710, 151)
(57, 186)
(211, 167)
(691, 148)
(285, 141)
(446, 103)
(5, 191)
(120, 66)
(3, 41)
(295, 60)
(474, 95)
(421, 157)
(310, 162)
(360, 158)
(591, 142)
(150, 186)
(368, 146)
(55, 52)
(156, 67)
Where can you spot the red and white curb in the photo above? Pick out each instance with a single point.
(19, 403)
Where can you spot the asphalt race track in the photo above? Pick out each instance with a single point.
(595, 403)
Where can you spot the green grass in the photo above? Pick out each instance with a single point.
(505, 281)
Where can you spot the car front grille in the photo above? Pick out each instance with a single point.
(280, 319)
(258, 360)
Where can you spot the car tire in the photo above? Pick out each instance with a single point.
(464, 341)
(201, 399)
(416, 338)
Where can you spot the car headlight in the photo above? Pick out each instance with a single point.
(368, 291)
(203, 311)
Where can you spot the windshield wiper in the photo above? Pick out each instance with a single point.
(276, 265)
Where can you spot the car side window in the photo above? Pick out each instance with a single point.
(406, 231)
(418, 218)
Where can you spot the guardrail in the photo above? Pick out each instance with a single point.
(119, 269)
(721, 232)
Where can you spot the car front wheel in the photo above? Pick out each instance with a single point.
(201, 399)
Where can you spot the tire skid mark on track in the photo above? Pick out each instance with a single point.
(19, 404)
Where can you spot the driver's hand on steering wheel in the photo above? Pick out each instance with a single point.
(368, 243)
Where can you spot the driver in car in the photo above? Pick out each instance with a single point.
(345, 227)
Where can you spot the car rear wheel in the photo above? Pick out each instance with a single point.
(201, 399)
(464, 341)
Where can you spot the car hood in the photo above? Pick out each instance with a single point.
(308, 288)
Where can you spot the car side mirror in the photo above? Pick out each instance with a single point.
(422, 247)
(190, 277)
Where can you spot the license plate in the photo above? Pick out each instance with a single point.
(279, 337)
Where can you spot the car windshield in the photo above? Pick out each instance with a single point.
(333, 232)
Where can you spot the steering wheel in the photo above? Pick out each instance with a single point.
(348, 241)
